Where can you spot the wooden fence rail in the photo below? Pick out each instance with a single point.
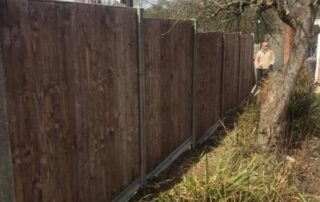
(94, 99)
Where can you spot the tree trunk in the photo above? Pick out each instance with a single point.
(273, 110)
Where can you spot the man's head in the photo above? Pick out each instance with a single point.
(265, 45)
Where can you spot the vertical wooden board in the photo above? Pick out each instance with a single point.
(142, 97)
(251, 62)
(181, 76)
(236, 60)
(246, 66)
(8, 22)
(109, 79)
(80, 42)
(38, 131)
(207, 81)
(6, 167)
(230, 71)
(168, 86)
(68, 54)
(73, 102)
(152, 70)
(127, 86)
(244, 74)
(45, 110)
(11, 55)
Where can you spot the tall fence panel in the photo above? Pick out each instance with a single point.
(246, 75)
(168, 64)
(84, 84)
(72, 94)
(207, 82)
(230, 86)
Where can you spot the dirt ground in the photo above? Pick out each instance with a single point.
(308, 168)
(308, 164)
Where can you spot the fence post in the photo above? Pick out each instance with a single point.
(194, 68)
(142, 97)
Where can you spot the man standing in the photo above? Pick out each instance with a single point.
(264, 61)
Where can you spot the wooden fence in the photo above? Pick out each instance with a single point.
(97, 99)
(168, 65)
(230, 81)
(207, 82)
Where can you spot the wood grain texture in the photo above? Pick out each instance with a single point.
(207, 81)
(7, 192)
(12, 28)
(168, 63)
(72, 94)
(246, 66)
(142, 97)
(230, 85)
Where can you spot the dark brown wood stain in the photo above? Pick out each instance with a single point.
(168, 64)
(230, 86)
(72, 94)
(207, 96)
(246, 68)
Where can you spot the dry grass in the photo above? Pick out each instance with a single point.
(303, 115)
(236, 171)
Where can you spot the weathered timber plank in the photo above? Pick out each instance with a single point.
(208, 81)
(73, 94)
(230, 71)
(168, 63)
